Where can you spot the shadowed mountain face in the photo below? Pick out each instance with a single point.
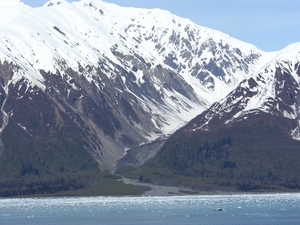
(83, 84)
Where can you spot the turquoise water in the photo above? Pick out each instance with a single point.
(238, 209)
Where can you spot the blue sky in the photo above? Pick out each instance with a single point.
(270, 25)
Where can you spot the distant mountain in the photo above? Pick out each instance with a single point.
(82, 83)
(248, 141)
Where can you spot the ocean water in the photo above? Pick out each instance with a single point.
(172, 210)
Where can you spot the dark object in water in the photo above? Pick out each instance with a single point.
(219, 209)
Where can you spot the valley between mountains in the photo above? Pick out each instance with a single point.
(91, 91)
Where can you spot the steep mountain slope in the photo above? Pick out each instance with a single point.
(112, 77)
(274, 90)
(247, 141)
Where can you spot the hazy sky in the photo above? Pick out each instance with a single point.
(270, 25)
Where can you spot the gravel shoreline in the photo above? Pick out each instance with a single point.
(156, 190)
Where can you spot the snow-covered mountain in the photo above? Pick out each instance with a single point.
(273, 90)
(118, 77)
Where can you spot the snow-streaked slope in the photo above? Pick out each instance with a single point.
(82, 32)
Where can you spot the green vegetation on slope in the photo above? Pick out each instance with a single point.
(257, 154)
(56, 166)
